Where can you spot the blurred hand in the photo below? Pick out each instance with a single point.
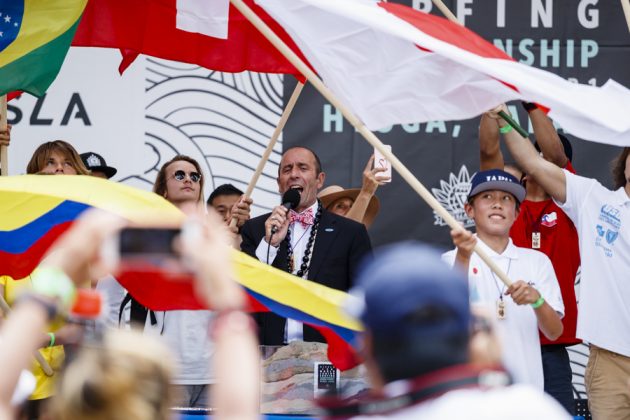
(77, 252)
(205, 243)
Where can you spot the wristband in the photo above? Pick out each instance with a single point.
(538, 303)
(505, 129)
(54, 283)
(52, 339)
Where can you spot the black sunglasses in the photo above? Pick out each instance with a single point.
(181, 175)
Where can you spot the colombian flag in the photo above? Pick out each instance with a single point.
(36, 209)
(34, 38)
(269, 290)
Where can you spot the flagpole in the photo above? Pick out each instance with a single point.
(4, 150)
(361, 128)
(447, 12)
(272, 142)
(626, 11)
(4, 306)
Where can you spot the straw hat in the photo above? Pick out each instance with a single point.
(334, 192)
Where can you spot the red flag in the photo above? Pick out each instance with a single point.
(14, 95)
(149, 27)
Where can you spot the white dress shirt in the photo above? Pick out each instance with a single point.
(299, 238)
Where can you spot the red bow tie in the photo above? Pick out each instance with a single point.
(305, 218)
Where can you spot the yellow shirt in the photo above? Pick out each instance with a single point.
(53, 355)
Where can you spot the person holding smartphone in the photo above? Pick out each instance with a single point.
(181, 181)
(360, 205)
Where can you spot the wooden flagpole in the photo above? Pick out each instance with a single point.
(447, 12)
(4, 306)
(361, 128)
(626, 11)
(272, 142)
(4, 162)
(4, 150)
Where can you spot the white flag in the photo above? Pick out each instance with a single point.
(392, 64)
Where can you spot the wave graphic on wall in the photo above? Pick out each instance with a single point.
(222, 120)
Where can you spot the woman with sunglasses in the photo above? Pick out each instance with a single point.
(180, 181)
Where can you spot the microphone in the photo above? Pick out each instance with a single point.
(290, 200)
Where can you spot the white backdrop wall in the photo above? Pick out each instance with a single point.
(155, 110)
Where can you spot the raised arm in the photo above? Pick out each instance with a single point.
(490, 156)
(371, 181)
(546, 136)
(52, 291)
(236, 357)
(546, 174)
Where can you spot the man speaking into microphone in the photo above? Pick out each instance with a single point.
(301, 237)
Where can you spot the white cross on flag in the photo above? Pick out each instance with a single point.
(207, 17)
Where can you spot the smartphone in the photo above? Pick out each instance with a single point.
(149, 249)
(380, 161)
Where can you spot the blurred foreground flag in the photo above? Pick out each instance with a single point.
(34, 38)
(392, 64)
(268, 289)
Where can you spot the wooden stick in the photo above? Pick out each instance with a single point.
(272, 142)
(4, 306)
(626, 11)
(446, 11)
(360, 127)
(4, 150)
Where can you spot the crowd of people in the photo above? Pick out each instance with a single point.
(444, 336)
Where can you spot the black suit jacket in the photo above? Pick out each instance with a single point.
(340, 245)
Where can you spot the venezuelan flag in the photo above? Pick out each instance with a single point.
(36, 209)
(269, 290)
(34, 38)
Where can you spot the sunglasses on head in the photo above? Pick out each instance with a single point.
(181, 175)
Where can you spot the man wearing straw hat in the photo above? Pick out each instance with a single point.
(533, 301)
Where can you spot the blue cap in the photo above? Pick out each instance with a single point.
(411, 293)
(496, 179)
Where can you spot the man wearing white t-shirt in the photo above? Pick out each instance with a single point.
(599, 215)
(533, 301)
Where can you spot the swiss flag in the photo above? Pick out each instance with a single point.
(186, 31)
